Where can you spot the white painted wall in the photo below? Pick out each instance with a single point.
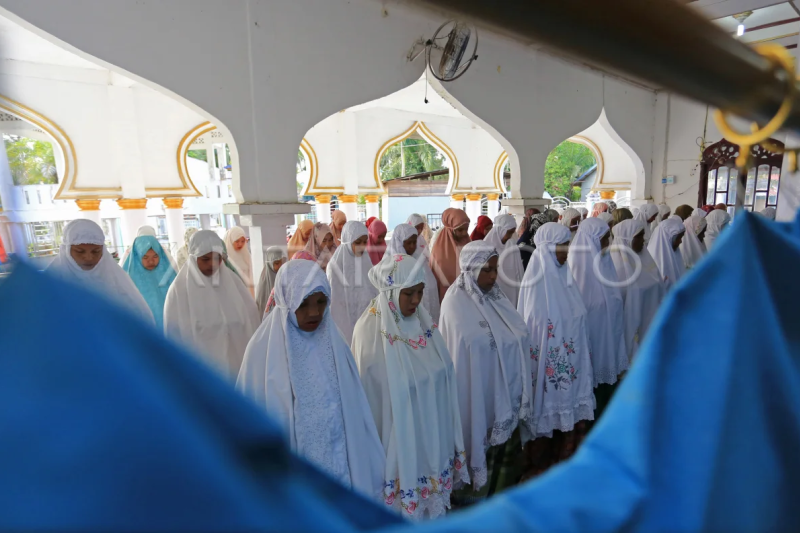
(273, 82)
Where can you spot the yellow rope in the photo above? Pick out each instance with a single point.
(781, 59)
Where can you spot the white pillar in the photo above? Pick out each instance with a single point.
(373, 208)
(348, 204)
(173, 212)
(133, 216)
(457, 201)
(323, 208)
(493, 205)
(19, 244)
(473, 209)
(89, 210)
(385, 209)
(205, 222)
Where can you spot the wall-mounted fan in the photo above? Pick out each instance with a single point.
(451, 50)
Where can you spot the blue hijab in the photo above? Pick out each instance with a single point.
(133, 434)
(152, 284)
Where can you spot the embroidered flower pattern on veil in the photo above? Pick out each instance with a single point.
(426, 487)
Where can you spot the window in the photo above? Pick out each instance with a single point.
(39, 196)
(722, 177)
(27, 198)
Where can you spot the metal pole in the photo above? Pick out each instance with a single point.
(660, 42)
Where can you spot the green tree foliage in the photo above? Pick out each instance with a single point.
(411, 156)
(564, 165)
(31, 161)
(198, 154)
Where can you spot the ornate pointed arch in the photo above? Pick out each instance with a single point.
(424, 132)
(64, 146)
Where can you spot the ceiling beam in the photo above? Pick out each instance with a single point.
(717, 9)
(656, 41)
(772, 24)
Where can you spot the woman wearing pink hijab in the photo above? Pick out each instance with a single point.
(446, 249)
(376, 244)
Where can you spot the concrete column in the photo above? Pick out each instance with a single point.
(173, 211)
(134, 216)
(205, 222)
(323, 208)
(457, 201)
(473, 209)
(373, 207)
(518, 206)
(349, 206)
(89, 210)
(385, 209)
(19, 244)
(493, 205)
(114, 229)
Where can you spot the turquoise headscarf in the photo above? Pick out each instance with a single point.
(152, 284)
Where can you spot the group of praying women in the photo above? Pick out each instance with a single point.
(415, 369)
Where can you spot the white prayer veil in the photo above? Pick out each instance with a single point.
(241, 259)
(644, 214)
(267, 280)
(423, 253)
(699, 213)
(491, 350)
(106, 278)
(642, 288)
(553, 310)
(509, 268)
(716, 221)
(351, 290)
(216, 315)
(692, 248)
(409, 380)
(596, 277)
(668, 260)
(309, 382)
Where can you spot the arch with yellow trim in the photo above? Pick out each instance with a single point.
(313, 168)
(598, 156)
(60, 141)
(498, 172)
(424, 132)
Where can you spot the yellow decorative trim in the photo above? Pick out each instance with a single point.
(428, 135)
(474, 197)
(457, 197)
(173, 203)
(88, 205)
(132, 203)
(348, 198)
(313, 170)
(498, 172)
(183, 154)
(607, 195)
(372, 198)
(58, 135)
(492, 197)
(322, 198)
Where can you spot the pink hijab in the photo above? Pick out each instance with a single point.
(313, 250)
(374, 250)
(338, 219)
(599, 207)
(446, 249)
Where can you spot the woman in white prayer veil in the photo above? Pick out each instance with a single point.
(410, 384)
(423, 254)
(299, 367)
(491, 350)
(274, 258)
(699, 213)
(596, 277)
(348, 274)
(716, 221)
(183, 251)
(423, 229)
(83, 259)
(663, 213)
(509, 268)
(208, 307)
(639, 278)
(554, 312)
(664, 248)
(692, 247)
(647, 214)
(239, 255)
(571, 219)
